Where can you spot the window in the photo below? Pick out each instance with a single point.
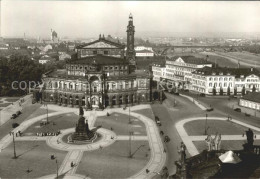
(106, 52)
(94, 52)
(210, 79)
(111, 68)
(225, 84)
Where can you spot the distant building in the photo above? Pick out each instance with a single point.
(45, 59)
(142, 51)
(251, 100)
(179, 69)
(64, 56)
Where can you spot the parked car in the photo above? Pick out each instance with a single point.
(14, 125)
(237, 109)
(14, 116)
(18, 113)
(157, 120)
(166, 138)
(247, 115)
(177, 93)
(202, 94)
(210, 109)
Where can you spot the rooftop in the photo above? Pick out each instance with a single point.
(118, 45)
(237, 72)
(191, 60)
(100, 60)
(253, 96)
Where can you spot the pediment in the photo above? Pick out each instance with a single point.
(180, 60)
(100, 45)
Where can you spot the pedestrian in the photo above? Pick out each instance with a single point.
(147, 171)
(71, 164)
(164, 150)
(111, 129)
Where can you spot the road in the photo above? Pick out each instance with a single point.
(224, 106)
(169, 115)
(27, 110)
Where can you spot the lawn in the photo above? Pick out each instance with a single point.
(223, 127)
(113, 161)
(63, 121)
(120, 125)
(33, 155)
(245, 56)
(5, 104)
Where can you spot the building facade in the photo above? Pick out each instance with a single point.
(199, 76)
(99, 77)
(225, 81)
(142, 51)
(251, 100)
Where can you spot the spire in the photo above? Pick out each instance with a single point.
(99, 36)
(103, 36)
(130, 17)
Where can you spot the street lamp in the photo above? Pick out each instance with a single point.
(12, 133)
(57, 169)
(47, 114)
(129, 120)
(206, 124)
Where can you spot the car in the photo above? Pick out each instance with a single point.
(202, 94)
(14, 125)
(247, 115)
(237, 109)
(176, 93)
(18, 113)
(157, 120)
(14, 116)
(210, 109)
(166, 138)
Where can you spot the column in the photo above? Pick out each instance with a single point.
(117, 100)
(123, 99)
(110, 101)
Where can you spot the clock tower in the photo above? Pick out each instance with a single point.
(130, 52)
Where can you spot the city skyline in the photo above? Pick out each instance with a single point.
(92, 18)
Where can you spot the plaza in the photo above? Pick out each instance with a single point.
(108, 157)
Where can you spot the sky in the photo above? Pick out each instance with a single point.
(90, 18)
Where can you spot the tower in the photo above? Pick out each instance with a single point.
(130, 52)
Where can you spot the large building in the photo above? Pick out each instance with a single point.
(199, 76)
(225, 81)
(251, 100)
(178, 70)
(99, 77)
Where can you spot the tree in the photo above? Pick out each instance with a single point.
(228, 91)
(221, 91)
(235, 91)
(253, 89)
(243, 91)
(214, 91)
